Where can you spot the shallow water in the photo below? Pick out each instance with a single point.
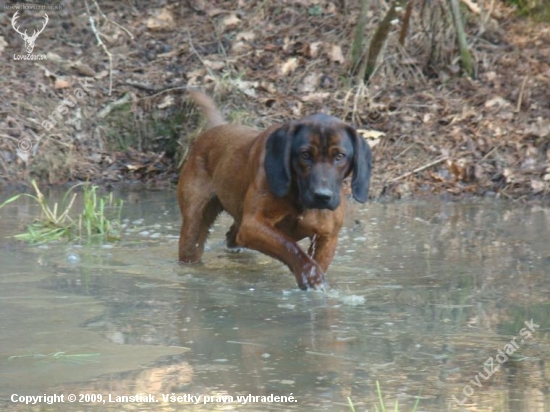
(422, 296)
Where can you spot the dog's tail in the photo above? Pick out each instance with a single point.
(213, 115)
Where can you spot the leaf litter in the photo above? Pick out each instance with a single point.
(436, 132)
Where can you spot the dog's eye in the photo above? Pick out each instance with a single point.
(339, 157)
(305, 155)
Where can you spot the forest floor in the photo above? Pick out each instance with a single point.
(433, 130)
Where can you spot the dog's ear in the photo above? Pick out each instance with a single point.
(277, 160)
(362, 165)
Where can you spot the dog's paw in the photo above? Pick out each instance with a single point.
(312, 277)
(235, 249)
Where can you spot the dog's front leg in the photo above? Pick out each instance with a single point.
(323, 248)
(264, 237)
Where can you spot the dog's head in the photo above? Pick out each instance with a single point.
(317, 153)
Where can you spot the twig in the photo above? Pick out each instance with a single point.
(490, 12)
(199, 56)
(406, 150)
(141, 86)
(490, 152)
(113, 22)
(520, 97)
(100, 43)
(474, 8)
(420, 169)
(108, 108)
(168, 89)
(156, 92)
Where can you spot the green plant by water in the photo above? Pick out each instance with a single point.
(99, 219)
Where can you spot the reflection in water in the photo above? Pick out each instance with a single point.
(422, 295)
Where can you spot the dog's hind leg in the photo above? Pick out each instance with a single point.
(199, 213)
(231, 238)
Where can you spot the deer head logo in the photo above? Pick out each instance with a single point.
(29, 40)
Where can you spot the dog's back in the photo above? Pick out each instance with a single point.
(217, 156)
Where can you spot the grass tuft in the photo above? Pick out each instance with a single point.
(99, 219)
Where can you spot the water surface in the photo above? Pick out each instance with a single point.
(422, 296)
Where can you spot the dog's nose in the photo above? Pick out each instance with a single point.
(323, 195)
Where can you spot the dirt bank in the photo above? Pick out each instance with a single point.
(268, 62)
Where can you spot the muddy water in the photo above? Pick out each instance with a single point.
(423, 296)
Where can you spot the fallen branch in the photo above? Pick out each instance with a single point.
(420, 169)
(113, 22)
(102, 45)
(520, 97)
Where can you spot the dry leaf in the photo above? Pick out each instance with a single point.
(315, 97)
(102, 74)
(193, 76)
(248, 88)
(240, 47)
(373, 142)
(162, 21)
(268, 87)
(490, 76)
(231, 21)
(436, 176)
(370, 134)
(61, 84)
(84, 69)
(215, 65)
(48, 74)
(373, 137)
(289, 66)
(314, 49)
(498, 102)
(296, 109)
(310, 83)
(462, 170)
(508, 175)
(51, 56)
(336, 54)
(215, 12)
(245, 35)
(537, 186)
(166, 102)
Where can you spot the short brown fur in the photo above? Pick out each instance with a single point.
(225, 171)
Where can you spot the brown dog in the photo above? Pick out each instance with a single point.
(280, 185)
